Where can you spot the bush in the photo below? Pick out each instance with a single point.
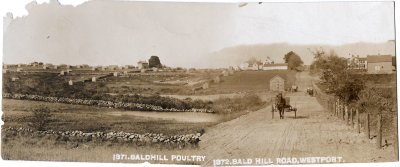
(41, 119)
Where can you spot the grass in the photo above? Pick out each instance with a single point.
(248, 81)
(44, 149)
(18, 113)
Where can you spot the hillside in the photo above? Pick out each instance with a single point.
(237, 54)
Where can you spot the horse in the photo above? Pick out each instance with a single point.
(280, 104)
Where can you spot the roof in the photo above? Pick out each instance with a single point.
(379, 58)
(277, 76)
(274, 65)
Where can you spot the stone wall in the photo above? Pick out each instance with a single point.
(113, 136)
(101, 103)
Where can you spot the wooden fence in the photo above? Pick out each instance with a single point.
(373, 124)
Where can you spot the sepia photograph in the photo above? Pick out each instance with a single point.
(252, 83)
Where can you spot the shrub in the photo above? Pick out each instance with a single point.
(41, 119)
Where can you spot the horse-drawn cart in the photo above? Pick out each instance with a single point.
(282, 105)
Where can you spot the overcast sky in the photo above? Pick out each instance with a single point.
(114, 32)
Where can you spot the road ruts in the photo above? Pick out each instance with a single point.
(313, 133)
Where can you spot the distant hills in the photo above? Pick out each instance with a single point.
(235, 55)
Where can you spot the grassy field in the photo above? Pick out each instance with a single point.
(141, 83)
(178, 83)
(248, 81)
(18, 113)
(67, 117)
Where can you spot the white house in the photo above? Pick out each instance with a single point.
(143, 64)
(357, 63)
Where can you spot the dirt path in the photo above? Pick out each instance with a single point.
(313, 133)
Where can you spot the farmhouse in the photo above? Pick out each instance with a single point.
(379, 64)
(280, 66)
(143, 64)
(277, 83)
(357, 63)
(249, 66)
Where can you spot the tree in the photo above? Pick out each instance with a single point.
(293, 60)
(339, 81)
(154, 61)
(253, 60)
(41, 119)
(348, 87)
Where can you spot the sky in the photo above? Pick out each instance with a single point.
(102, 32)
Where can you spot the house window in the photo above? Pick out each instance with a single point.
(378, 68)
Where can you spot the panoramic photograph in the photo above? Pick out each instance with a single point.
(200, 83)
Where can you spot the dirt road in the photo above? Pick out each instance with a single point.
(313, 133)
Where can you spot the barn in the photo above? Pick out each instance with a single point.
(379, 64)
(282, 66)
(277, 83)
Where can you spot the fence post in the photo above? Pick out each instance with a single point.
(379, 139)
(329, 106)
(379, 124)
(358, 120)
(334, 107)
(337, 108)
(351, 117)
(342, 108)
(346, 111)
(367, 126)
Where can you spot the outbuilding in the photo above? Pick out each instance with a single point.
(277, 83)
(379, 64)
